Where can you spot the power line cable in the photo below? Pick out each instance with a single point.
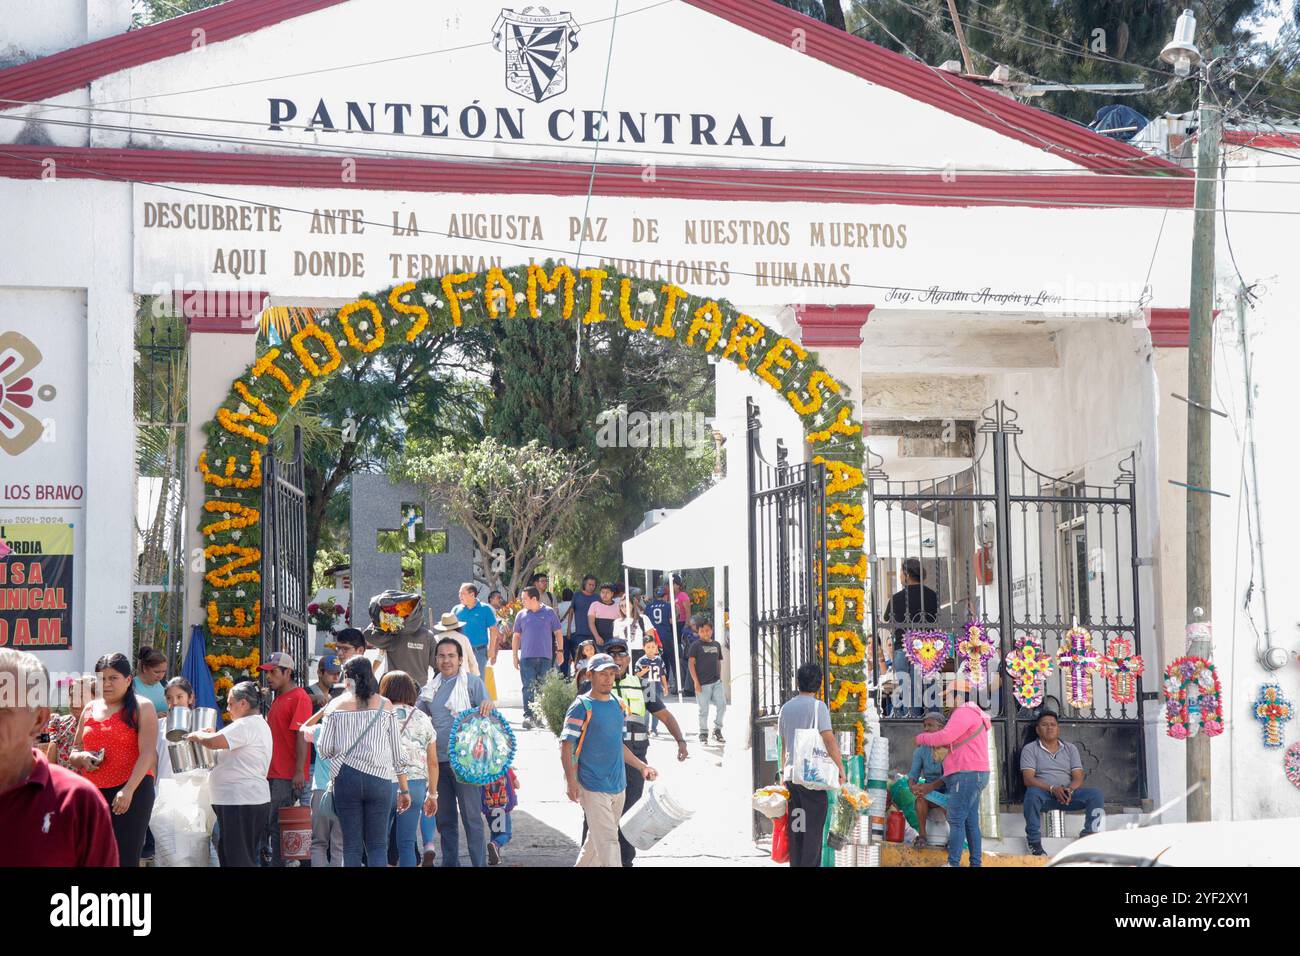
(532, 247)
(943, 75)
(780, 162)
(632, 172)
(591, 182)
(352, 66)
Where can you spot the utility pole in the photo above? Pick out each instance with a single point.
(1200, 373)
(961, 37)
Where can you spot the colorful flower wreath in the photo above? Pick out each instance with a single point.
(1272, 709)
(1193, 698)
(974, 650)
(926, 649)
(1122, 669)
(1030, 666)
(1080, 658)
(480, 748)
(1291, 764)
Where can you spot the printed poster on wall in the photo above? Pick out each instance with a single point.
(36, 576)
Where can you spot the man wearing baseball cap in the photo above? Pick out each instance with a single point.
(631, 691)
(290, 750)
(593, 755)
(327, 685)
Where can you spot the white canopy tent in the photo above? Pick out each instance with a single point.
(709, 531)
(696, 536)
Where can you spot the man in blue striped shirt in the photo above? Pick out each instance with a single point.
(592, 753)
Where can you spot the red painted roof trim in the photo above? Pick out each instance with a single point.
(949, 93)
(1170, 328)
(70, 69)
(1242, 137)
(486, 178)
(832, 326)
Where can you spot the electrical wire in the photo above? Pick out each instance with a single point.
(531, 247)
(943, 75)
(353, 66)
(591, 182)
(627, 172)
(1116, 172)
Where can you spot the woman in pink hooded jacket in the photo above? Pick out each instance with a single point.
(965, 774)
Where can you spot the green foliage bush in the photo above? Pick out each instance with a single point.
(552, 701)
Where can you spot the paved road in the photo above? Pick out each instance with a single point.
(547, 825)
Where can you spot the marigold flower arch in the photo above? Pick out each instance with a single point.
(231, 463)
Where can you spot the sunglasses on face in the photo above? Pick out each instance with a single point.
(618, 654)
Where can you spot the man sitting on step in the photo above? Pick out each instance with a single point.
(1053, 776)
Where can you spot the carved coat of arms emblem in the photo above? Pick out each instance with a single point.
(537, 44)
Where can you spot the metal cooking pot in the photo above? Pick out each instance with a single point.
(180, 721)
(205, 758)
(182, 757)
(205, 718)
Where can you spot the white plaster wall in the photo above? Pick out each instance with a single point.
(35, 28)
(677, 44)
(75, 236)
(1248, 779)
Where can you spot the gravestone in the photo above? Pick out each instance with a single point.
(380, 505)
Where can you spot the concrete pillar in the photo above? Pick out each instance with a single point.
(223, 341)
(1168, 328)
(835, 333)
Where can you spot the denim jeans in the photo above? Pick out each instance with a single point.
(964, 789)
(909, 695)
(499, 829)
(409, 846)
(364, 803)
(531, 670)
(326, 836)
(1087, 800)
(467, 798)
(711, 694)
(481, 655)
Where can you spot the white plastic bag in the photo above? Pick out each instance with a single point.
(180, 821)
(813, 767)
(771, 802)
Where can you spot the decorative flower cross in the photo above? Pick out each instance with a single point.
(1082, 660)
(1272, 709)
(1193, 698)
(1031, 666)
(974, 650)
(1122, 669)
(1291, 764)
(926, 649)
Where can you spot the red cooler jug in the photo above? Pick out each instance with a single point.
(895, 826)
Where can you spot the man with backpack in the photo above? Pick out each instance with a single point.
(593, 754)
(637, 704)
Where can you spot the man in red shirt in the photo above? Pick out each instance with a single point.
(52, 816)
(290, 751)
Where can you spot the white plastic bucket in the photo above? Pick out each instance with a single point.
(653, 817)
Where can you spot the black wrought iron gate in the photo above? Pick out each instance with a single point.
(285, 574)
(1025, 553)
(787, 609)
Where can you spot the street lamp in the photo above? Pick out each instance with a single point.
(1181, 52)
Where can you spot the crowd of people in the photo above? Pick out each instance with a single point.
(365, 744)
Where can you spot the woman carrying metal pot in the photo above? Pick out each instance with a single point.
(115, 749)
(178, 693)
(241, 797)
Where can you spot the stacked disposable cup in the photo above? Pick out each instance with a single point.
(877, 784)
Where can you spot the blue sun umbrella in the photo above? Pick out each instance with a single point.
(195, 670)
